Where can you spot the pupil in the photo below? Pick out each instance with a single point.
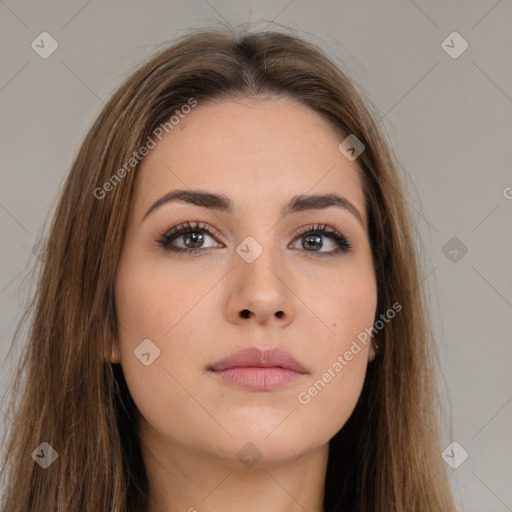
(317, 240)
(198, 238)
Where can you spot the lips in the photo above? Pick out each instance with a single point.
(258, 370)
(254, 357)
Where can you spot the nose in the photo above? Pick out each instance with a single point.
(247, 313)
(260, 293)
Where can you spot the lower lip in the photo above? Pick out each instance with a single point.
(258, 379)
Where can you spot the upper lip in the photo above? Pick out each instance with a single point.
(255, 357)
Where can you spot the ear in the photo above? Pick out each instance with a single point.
(372, 352)
(115, 356)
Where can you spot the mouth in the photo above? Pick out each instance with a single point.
(257, 370)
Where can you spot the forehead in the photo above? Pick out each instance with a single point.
(256, 151)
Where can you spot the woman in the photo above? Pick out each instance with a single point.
(230, 314)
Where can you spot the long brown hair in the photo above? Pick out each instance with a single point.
(385, 458)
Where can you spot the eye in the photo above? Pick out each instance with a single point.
(311, 238)
(192, 235)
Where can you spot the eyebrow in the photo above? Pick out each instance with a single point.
(223, 203)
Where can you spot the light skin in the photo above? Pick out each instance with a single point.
(259, 153)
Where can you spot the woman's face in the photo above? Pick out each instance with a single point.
(181, 299)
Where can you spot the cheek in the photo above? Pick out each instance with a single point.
(353, 313)
(174, 312)
(153, 301)
(327, 401)
(331, 394)
(347, 306)
(174, 318)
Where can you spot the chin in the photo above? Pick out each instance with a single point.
(281, 445)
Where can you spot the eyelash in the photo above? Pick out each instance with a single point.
(187, 227)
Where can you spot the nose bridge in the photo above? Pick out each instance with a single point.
(258, 262)
(259, 286)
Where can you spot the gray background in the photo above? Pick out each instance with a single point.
(447, 118)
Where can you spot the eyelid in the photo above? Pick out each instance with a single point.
(187, 225)
(343, 242)
(198, 225)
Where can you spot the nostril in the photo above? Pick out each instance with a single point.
(245, 313)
